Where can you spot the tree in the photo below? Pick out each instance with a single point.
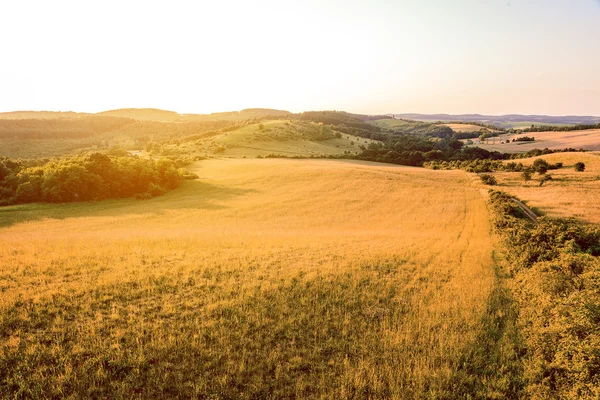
(526, 174)
(579, 167)
(540, 166)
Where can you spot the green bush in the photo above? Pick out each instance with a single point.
(488, 179)
(579, 167)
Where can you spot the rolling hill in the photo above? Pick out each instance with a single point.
(505, 121)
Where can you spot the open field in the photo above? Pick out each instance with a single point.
(466, 128)
(586, 139)
(265, 279)
(568, 194)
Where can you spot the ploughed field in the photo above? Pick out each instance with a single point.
(263, 279)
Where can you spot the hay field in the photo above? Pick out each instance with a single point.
(265, 279)
(586, 139)
(568, 194)
(466, 128)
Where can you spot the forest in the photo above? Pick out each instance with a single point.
(95, 176)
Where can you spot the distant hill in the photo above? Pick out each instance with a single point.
(154, 114)
(143, 114)
(505, 121)
(41, 114)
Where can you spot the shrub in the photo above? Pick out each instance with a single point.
(579, 167)
(541, 166)
(488, 179)
(526, 174)
(545, 179)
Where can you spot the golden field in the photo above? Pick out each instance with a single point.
(265, 279)
(568, 194)
(586, 139)
(466, 128)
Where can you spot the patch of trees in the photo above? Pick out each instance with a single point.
(554, 128)
(345, 123)
(476, 123)
(524, 139)
(473, 135)
(553, 269)
(538, 152)
(417, 150)
(91, 177)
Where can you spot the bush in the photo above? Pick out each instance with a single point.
(579, 167)
(488, 179)
(541, 166)
(526, 174)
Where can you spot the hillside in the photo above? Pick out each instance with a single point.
(585, 139)
(568, 194)
(266, 278)
(506, 121)
(281, 137)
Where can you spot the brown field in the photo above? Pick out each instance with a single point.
(586, 139)
(568, 194)
(265, 279)
(466, 127)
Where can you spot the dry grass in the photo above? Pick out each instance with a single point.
(266, 279)
(466, 127)
(568, 194)
(289, 138)
(586, 139)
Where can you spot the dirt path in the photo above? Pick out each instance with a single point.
(530, 214)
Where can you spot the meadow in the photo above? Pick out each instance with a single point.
(568, 194)
(263, 279)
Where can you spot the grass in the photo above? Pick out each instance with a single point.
(568, 194)
(265, 279)
(586, 139)
(467, 128)
(289, 138)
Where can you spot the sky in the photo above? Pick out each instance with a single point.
(370, 56)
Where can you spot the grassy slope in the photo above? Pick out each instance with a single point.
(265, 279)
(291, 138)
(569, 193)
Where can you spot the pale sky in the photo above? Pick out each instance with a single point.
(377, 56)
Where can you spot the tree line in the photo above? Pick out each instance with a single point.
(554, 128)
(95, 176)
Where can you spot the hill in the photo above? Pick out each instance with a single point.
(505, 121)
(266, 278)
(41, 115)
(568, 194)
(586, 139)
(152, 114)
(143, 114)
(272, 137)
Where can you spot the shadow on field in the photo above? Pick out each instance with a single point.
(191, 195)
(491, 367)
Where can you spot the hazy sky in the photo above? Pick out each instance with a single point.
(370, 56)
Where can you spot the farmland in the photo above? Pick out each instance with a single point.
(568, 194)
(584, 139)
(264, 279)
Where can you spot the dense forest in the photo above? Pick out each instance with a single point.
(91, 177)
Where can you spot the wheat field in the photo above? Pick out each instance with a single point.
(264, 279)
(568, 194)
